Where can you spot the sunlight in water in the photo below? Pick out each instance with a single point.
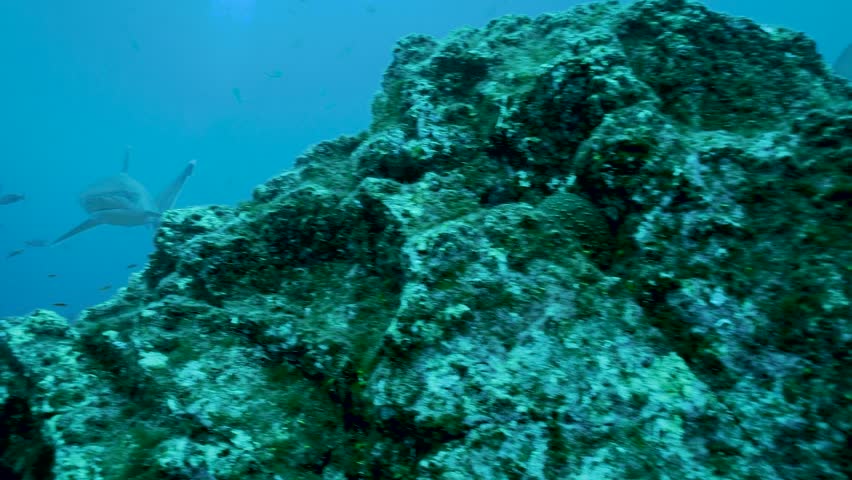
(238, 10)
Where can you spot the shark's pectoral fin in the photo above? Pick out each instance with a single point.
(166, 200)
(154, 220)
(90, 223)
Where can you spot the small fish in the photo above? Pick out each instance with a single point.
(60, 304)
(11, 198)
(15, 253)
(132, 265)
(51, 275)
(843, 66)
(134, 45)
(36, 243)
(237, 95)
(105, 288)
(275, 74)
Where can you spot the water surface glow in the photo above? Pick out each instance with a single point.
(238, 10)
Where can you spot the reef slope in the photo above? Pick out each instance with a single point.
(609, 243)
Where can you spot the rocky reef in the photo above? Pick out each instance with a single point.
(609, 243)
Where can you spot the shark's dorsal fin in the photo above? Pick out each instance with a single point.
(126, 165)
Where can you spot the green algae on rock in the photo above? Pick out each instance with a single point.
(605, 243)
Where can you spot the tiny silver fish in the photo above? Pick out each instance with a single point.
(10, 198)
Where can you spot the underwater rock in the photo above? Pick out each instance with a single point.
(605, 243)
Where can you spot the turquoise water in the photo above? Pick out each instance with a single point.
(243, 86)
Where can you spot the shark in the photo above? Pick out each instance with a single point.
(123, 200)
(843, 65)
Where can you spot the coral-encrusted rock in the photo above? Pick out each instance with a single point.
(606, 243)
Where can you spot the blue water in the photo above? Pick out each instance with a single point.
(243, 86)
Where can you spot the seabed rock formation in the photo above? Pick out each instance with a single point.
(610, 243)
